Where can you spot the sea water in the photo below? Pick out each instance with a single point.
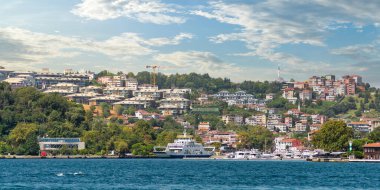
(185, 174)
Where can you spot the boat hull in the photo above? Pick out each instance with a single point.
(188, 156)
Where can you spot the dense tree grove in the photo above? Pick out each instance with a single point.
(26, 114)
(207, 84)
(333, 136)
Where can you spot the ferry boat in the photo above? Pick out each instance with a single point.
(184, 147)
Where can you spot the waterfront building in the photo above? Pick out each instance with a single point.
(372, 151)
(51, 144)
(283, 144)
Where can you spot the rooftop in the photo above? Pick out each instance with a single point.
(372, 145)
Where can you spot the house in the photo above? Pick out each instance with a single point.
(373, 122)
(284, 144)
(104, 99)
(301, 127)
(306, 95)
(82, 98)
(174, 105)
(269, 96)
(295, 112)
(129, 103)
(118, 91)
(281, 127)
(318, 119)
(256, 120)
(168, 93)
(16, 82)
(315, 127)
(372, 151)
(225, 138)
(288, 93)
(142, 114)
(204, 126)
(88, 89)
(64, 87)
(361, 126)
(232, 119)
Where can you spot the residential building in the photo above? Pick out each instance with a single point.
(174, 105)
(360, 126)
(82, 98)
(104, 99)
(204, 126)
(144, 115)
(118, 91)
(16, 82)
(306, 95)
(256, 120)
(283, 144)
(372, 151)
(63, 87)
(301, 127)
(236, 119)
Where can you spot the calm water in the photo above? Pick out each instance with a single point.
(186, 174)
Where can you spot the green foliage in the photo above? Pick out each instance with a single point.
(142, 149)
(375, 135)
(257, 137)
(280, 102)
(23, 139)
(333, 136)
(106, 109)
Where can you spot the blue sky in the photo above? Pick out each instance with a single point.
(240, 39)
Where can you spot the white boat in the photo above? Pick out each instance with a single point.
(247, 154)
(184, 147)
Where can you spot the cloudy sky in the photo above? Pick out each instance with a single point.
(238, 39)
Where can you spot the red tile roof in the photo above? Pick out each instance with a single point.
(372, 145)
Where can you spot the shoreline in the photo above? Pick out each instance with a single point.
(212, 158)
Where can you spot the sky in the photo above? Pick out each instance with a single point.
(237, 39)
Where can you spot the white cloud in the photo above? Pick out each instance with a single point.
(265, 26)
(197, 61)
(23, 46)
(145, 11)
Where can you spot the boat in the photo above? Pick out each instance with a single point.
(184, 146)
(247, 154)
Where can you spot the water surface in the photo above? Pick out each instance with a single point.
(185, 174)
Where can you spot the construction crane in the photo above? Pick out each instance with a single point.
(154, 72)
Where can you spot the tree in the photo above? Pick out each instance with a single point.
(333, 136)
(257, 137)
(119, 109)
(121, 147)
(375, 135)
(105, 109)
(23, 139)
